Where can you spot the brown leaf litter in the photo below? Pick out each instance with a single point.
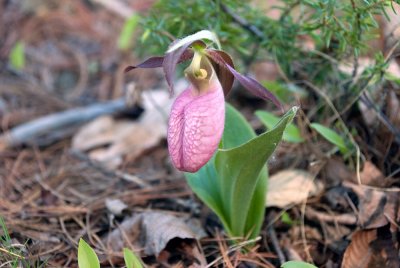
(290, 187)
(108, 140)
(76, 200)
(159, 234)
(51, 196)
(372, 248)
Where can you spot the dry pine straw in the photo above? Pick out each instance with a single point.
(49, 198)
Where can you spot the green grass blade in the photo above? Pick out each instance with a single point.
(330, 136)
(87, 258)
(291, 133)
(126, 35)
(17, 56)
(131, 260)
(297, 264)
(5, 238)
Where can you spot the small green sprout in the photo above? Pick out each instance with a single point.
(17, 56)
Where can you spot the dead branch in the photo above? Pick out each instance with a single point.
(30, 131)
(275, 244)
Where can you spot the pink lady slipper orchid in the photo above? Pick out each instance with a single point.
(197, 116)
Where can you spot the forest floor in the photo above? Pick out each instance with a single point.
(106, 176)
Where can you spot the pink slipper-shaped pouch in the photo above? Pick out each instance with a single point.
(197, 119)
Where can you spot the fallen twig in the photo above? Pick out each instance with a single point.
(30, 131)
(275, 244)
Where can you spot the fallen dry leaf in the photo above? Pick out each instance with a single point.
(115, 206)
(371, 175)
(290, 187)
(88, 136)
(160, 229)
(358, 252)
(158, 234)
(107, 139)
(336, 171)
(376, 207)
(371, 248)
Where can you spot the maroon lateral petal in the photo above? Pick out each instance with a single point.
(153, 62)
(247, 82)
(171, 59)
(174, 57)
(254, 87)
(156, 62)
(169, 65)
(224, 75)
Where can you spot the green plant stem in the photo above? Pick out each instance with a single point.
(11, 253)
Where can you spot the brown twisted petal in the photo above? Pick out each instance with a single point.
(247, 82)
(156, 62)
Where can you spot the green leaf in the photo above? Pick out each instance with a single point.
(131, 260)
(126, 35)
(297, 264)
(285, 218)
(237, 132)
(239, 169)
(17, 56)
(291, 134)
(285, 92)
(237, 192)
(87, 258)
(205, 183)
(5, 237)
(331, 136)
(145, 35)
(255, 216)
(392, 77)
